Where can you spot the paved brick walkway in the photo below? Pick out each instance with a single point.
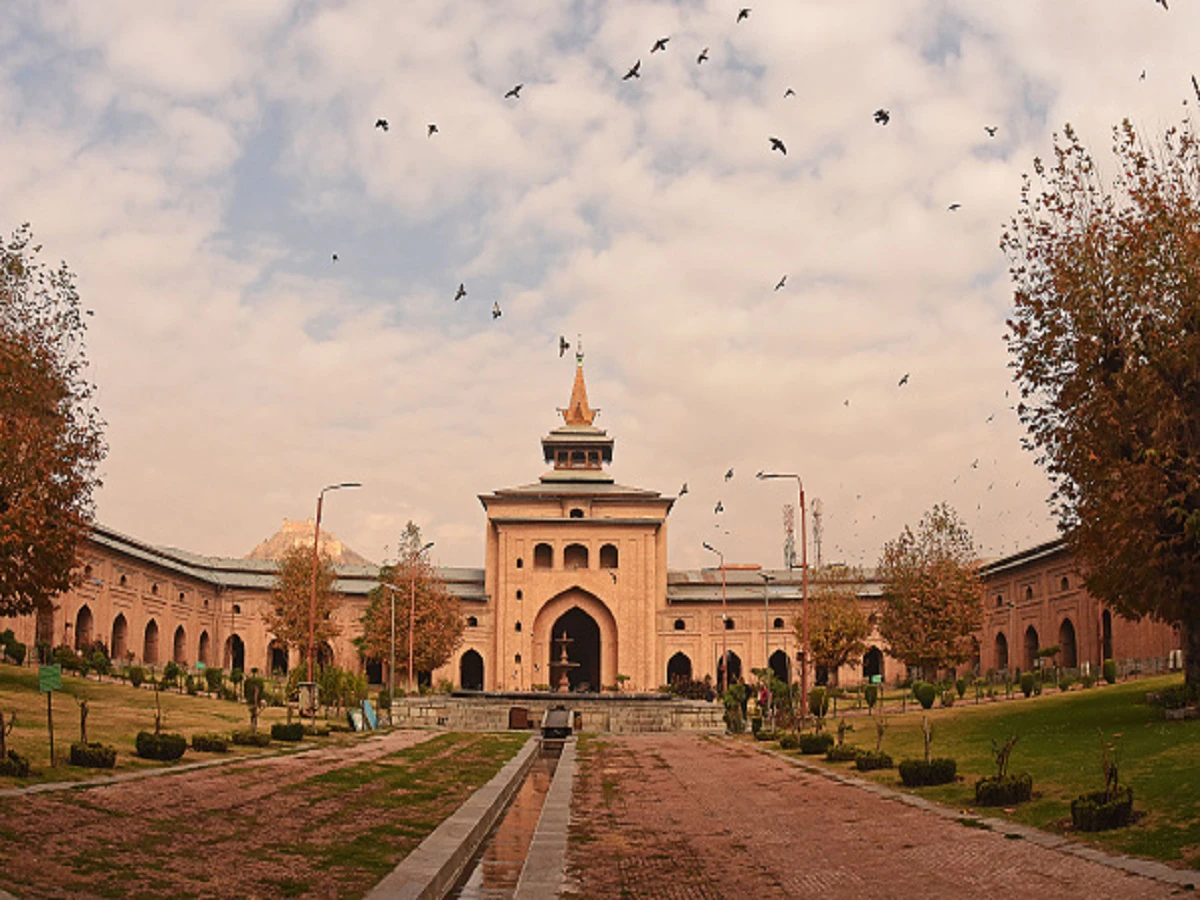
(664, 816)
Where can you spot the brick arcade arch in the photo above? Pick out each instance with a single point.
(470, 671)
(679, 668)
(593, 629)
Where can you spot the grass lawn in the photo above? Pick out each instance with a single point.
(116, 713)
(1060, 747)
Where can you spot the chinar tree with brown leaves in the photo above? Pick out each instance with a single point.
(417, 592)
(1105, 341)
(291, 609)
(51, 434)
(838, 628)
(933, 596)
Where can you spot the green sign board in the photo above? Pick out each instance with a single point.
(49, 678)
(200, 667)
(876, 679)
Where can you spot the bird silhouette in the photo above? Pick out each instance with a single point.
(975, 464)
(515, 92)
(953, 206)
(335, 257)
(1142, 77)
(563, 346)
(882, 116)
(660, 44)
(683, 490)
(719, 508)
(991, 130)
(703, 57)
(1196, 87)
(992, 416)
(846, 402)
(782, 282)
(613, 575)
(903, 381)
(1162, 3)
(777, 144)
(496, 313)
(433, 129)
(633, 71)
(729, 475)
(789, 93)
(381, 123)
(743, 13)
(460, 293)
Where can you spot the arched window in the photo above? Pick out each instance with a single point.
(520, 594)
(120, 637)
(179, 650)
(576, 513)
(83, 627)
(205, 648)
(1031, 647)
(150, 644)
(472, 622)
(729, 624)
(679, 625)
(182, 596)
(999, 600)
(1065, 584)
(608, 556)
(1066, 644)
(520, 563)
(237, 609)
(154, 589)
(543, 556)
(778, 623)
(517, 628)
(575, 556)
(1001, 651)
(679, 668)
(517, 659)
(124, 581)
(1029, 593)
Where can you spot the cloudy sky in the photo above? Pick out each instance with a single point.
(198, 165)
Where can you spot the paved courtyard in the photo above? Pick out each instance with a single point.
(664, 816)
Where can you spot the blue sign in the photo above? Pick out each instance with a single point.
(369, 714)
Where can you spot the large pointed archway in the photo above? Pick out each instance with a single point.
(592, 645)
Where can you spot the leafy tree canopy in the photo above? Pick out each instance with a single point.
(292, 600)
(838, 627)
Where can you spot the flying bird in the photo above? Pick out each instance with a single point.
(719, 508)
(1162, 3)
(613, 575)
(563, 346)
(381, 123)
(433, 129)
(703, 57)
(460, 293)
(633, 71)
(991, 129)
(975, 464)
(743, 13)
(782, 282)
(1142, 77)
(660, 44)
(882, 116)
(1196, 87)
(335, 257)
(777, 144)
(789, 93)
(846, 402)
(953, 206)
(729, 475)
(515, 92)
(496, 313)
(992, 416)
(683, 490)
(903, 381)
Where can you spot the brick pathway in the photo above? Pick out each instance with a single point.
(664, 816)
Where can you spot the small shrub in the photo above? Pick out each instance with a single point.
(214, 679)
(818, 702)
(867, 761)
(210, 742)
(842, 753)
(1004, 790)
(93, 755)
(925, 694)
(919, 772)
(1065, 682)
(189, 685)
(317, 730)
(961, 686)
(287, 732)
(816, 743)
(789, 742)
(1098, 812)
(1028, 684)
(251, 738)
(871, 695)
(67, 658)
(384, 699)
(171, 673)
(1110, 671)
(15, 765)
(948, 697)
(165, 747)
(15, 651)
(137, 676)
(1088, 681)
(766, 734)
(228, 692)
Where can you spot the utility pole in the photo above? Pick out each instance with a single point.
(818, 529)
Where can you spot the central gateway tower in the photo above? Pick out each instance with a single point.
(575, 555)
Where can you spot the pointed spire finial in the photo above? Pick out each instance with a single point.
(578, 412)
(579, 349)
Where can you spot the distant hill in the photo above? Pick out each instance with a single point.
(300, 534)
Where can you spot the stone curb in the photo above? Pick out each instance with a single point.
(53, 786)
(431, 870)
(545, 870)
(1147, 868)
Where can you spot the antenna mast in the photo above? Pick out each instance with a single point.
(789, 535)
(818, 529)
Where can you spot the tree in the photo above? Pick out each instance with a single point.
(933, 597)
(838, 628)
(51, 437)
(1105, 341)
(439, 622)
(291, 601)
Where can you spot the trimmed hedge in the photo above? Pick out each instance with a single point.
(925, 693)
(789, 742)
(1109, 671)
(210, 742)
(1028, 684)
(1006, 791)
(251, 738)
(16, 766)
(918, 772)
(816, 743)
(1091, 812)
(766, 734)
(842, 753)
(866, 761)
(316, 730)
(281, 731)
(93, 755)
(164, 747)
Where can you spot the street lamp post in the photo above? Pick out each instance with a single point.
(724, 621)
(392, 665)
(312, 606)
(412, 610)
(803, 588)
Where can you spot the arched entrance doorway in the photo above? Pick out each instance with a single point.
(325, 655)
(180, 647)
(679, 668)
(1031, 647)
(470, 671)
(150, 644)
(1001, 651)
(1066, 645)
(1106, 636)
(779, 665)
(872, 664)
(735, 669)
(583, 650)
(83, 627)
(205, 648)
(277, 658)
(235, 653)
(120, 637)
(374, 671)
